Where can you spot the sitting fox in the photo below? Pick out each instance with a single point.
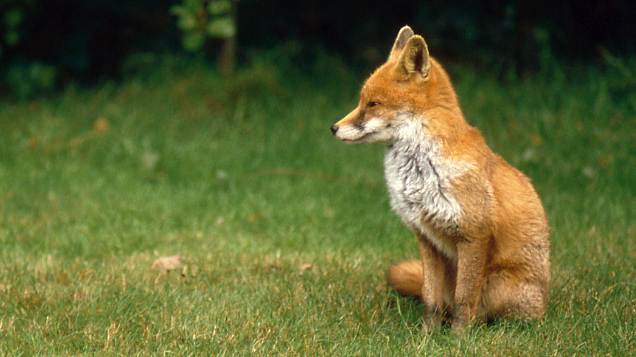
(482, 231)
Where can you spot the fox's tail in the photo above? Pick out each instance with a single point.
(406, 277)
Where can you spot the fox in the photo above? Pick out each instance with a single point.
(482, 232)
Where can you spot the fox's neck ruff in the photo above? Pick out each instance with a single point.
(419, 179)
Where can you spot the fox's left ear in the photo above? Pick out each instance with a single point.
(400, 42)
(414, 58)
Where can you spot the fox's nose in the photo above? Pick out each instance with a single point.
(334, 129)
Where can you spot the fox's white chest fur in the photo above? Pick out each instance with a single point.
(419, 182)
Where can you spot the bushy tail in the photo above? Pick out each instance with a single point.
(406, 277)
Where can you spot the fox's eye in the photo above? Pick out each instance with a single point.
(372, 104)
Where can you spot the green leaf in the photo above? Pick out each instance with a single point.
(193, 41)
(194, 4)
(12, 38)
(13, 18)
(222, 27)
(43, 75)
(219, 7)
(178, 10)
(187, 22)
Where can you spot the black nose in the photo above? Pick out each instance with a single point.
(334, 129)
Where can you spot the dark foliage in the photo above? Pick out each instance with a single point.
(86, 40)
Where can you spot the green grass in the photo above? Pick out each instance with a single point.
(243, 179)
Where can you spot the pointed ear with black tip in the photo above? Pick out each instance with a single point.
(400, 41)
(414, 59)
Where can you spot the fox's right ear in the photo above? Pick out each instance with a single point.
(414, 59)
(400, 42)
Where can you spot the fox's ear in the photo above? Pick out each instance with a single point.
(414, 58)
(403, 36)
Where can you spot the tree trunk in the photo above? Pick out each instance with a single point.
(227, 58)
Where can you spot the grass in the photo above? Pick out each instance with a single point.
(285, 233)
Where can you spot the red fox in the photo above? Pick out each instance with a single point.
(482, 231)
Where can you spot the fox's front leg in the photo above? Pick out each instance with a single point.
(433, 270)
(471, 265)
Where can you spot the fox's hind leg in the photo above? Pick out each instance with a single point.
(505, 295)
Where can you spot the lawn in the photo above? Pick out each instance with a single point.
(284, 233)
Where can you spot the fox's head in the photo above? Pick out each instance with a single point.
(398, 92)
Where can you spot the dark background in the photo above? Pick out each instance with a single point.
(88, 40)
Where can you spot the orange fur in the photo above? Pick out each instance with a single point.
(481, 227)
